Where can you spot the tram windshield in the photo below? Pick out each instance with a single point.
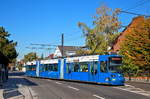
(115, 64)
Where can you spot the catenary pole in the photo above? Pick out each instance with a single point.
(62, 45)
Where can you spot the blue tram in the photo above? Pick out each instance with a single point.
(103, 69)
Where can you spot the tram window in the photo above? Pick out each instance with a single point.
(27, 68)
(30, 67)
(49, 67)
(41, 68)
(83, 67)
(76, 67)
(46, 67)
(68, 68)
(103, 66)
(93, 67)
(55, 67)
(34, 67)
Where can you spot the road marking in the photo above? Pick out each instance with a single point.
(19, 85)
(98, 96)
(133, 89)
(73, 88)
(58, 83)
(128, 85)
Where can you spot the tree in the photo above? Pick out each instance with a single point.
(7, 47)
(82, 52)
(104, 31)
(30, 57)
(19, 64)
(135, 49)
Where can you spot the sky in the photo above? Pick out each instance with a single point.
(43, 21)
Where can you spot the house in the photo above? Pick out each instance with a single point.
(117, 45)
(67, 51)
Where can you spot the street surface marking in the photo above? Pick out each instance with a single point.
(73, 88)
(128, 85)
(19, 85)
(133, 89)
(58, 83)
(98, 97)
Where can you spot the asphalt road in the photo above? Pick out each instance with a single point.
(55, 89)
(142, 85)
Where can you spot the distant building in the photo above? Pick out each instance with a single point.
(67, 51)
(51, 56)
(117, 45)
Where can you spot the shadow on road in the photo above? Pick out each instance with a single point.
(15, 81)
(16, 73)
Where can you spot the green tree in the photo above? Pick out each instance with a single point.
(7, 47)
(82, 52)
(135, 49)
(19, 65)
(30, 57)
(104, 31)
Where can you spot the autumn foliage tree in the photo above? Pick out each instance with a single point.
(104, 31)
(136, 47)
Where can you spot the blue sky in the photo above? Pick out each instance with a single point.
(43, 21)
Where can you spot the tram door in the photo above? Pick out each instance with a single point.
(69, 70)
(94, 71)
(103, 75)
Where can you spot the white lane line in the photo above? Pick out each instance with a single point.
(98, 97)
(58, 83)
(135, 90)
(128, 85)
(73, 88)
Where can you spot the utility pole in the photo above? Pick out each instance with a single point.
(62, 45)
(62, 59)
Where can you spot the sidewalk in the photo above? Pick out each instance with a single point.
(1, 94)
(17, 87)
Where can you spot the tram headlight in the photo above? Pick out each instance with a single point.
(113, 79)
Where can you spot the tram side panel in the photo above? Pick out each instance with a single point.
(31, 68)
(50, 69)
(87, 68)
(78, 68)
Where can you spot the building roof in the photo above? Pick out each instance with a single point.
(68, 48)
(121, 37)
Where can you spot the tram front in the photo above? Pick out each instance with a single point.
(114, 68)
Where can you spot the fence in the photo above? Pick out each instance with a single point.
(140, 77)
